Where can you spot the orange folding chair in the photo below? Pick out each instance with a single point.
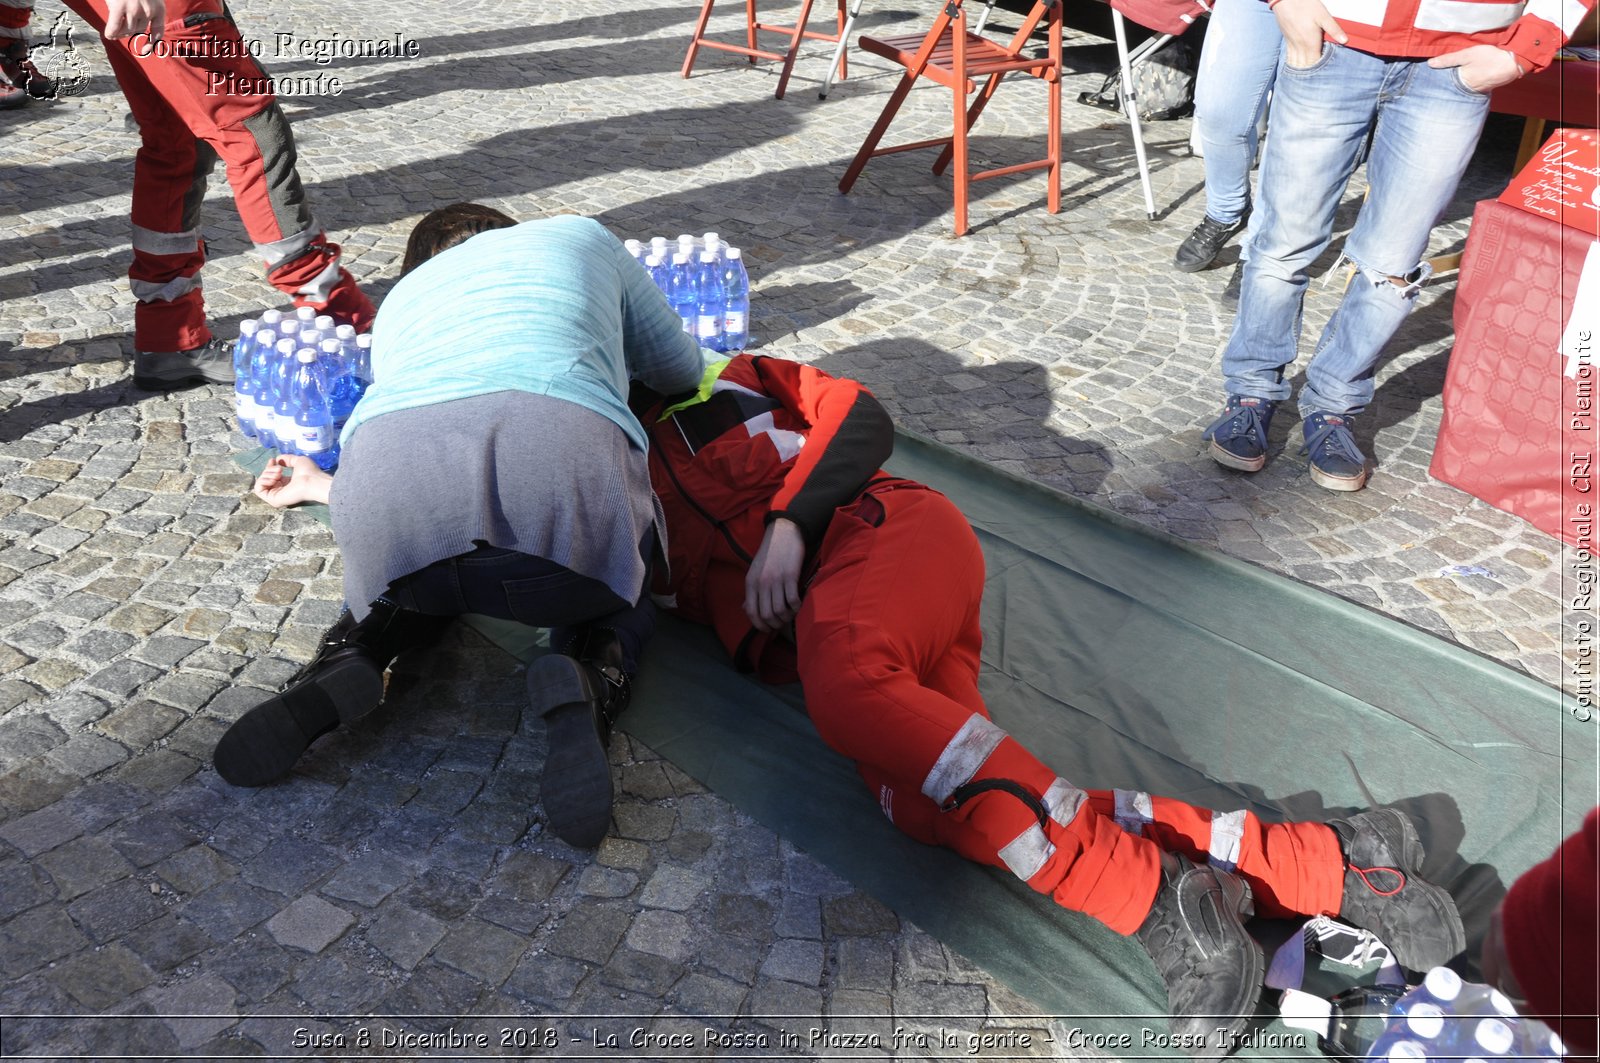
(954, 56)
(753, 30)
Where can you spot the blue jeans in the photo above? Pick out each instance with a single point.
(1427, 124)
(531, 590)
(1237, 64)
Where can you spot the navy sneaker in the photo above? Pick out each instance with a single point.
(1336, 462)
(1239, 436)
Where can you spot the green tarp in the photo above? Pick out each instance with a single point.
(1126, 658)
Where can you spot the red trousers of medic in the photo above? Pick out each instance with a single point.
(888, 642)
(183, 92)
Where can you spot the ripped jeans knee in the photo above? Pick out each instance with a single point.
(1406, 291)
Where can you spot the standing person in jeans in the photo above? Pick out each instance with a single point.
(169, 59)
(493, 467)
(1237, 64)
(1414, 75)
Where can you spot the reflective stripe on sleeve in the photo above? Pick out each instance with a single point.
(1227, 830)
(1564, 13)
(152, 242)
(1025, 854)
(1463, 16)
(1063, 800)
(962, 758)
(1366, 12)
(151, 292)
(1133, 810)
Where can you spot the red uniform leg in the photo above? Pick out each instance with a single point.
(201, 75)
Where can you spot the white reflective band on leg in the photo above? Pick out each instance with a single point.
(1564, 13)
(1133, 810)
(1464, 16)
(886, 802)
(288, 247)
(151, 292)
(1366, 12)
(962, 758)
(321, 286)
(1027, 852)
(152, 242)
(1063, 800)
(1227, 830)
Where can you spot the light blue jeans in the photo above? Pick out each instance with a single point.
(1426, 126)
(1237, 64)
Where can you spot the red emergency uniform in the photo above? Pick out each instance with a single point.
(886, 646)
(199, 94)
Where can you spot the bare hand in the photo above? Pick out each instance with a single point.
(1304, 24)
(1482, 67)
(128, 18)
(303, 482)
(772, 587)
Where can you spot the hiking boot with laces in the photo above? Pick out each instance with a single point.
(1239, 436)
(1336, 462)
(210, 363)
(342, 683)
(580, 694)
(1210, 964)
(1384, 890)
(1201, 247)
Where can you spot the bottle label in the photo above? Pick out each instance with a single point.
(708, 326)
(688, 324)
(313, 439)
(734, 322)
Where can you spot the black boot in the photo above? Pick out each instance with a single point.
(580, 693)
(1384, 890)
(1211, 965)
(342, 683)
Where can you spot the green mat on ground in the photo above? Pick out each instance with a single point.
(1126, 658)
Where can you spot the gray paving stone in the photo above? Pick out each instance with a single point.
(206, 996)
(310, 923)
(545, 981)
(405, 935)
(82, 865)
(228, 909)
(112, 911)
(479, 949)
(289, 865)
(589, 933)
(368, 879)
(100, 978)
(40, 831)
(36, 938)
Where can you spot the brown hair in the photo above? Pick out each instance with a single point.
(448, 226)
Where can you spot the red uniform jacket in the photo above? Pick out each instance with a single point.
(1532, 30)
(762, 438)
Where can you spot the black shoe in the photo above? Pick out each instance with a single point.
(210, 363)
(1211, 965)
(342, 683)
(1384, 890)
(1230, 294)
(579, 700)
(1202, 246)
(1239, 436)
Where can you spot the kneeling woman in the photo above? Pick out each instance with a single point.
(493, 467)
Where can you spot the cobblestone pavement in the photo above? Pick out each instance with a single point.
(147, 600)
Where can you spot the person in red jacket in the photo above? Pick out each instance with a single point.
(1544, 938)
(786, 537)
(1407, 83)
(198, 95)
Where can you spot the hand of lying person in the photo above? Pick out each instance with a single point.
(1304, 23)
(289, 480)
(126, 18)
(772, 587)
(1482, 67)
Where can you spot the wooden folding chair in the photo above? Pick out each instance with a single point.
(754, 28)
(952, 55)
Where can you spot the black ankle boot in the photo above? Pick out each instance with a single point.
(580, 693)
(1384, 890)
(1210, 964)
(342, 683)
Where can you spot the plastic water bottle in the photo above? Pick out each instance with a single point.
(364, 360)
(658, 247)
(736, 300)
(313, 433)
(261, 397)
(283, 400)
(271, 319)
(710, 307)
(324, 324)
(243, 405)
(291, 328)
(659, 272)
(1417, 1022)
(712, 242)
(339, 383)
(1475, 1022)
(686, 245)
(636, 249)
(305, 313)
(681, 293)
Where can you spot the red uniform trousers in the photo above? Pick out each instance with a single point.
(197, 95)
(888, 642)
(14, 15)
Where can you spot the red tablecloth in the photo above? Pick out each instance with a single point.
(1513, 432)
(1566, 92)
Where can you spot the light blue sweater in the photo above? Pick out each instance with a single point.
(554, 307)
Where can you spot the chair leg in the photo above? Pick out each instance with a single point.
(841, 22)
(978, 104)
(1053, 197)
(859, 163)
(794, 47)
(750, 35)
(959, 120)
(699, 31)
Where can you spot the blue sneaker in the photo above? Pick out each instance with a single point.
(1239, 436)
(1336, 462)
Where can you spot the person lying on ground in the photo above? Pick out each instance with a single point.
(507, 349)
(809, 561)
